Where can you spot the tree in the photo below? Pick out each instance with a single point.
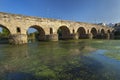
(5, 32)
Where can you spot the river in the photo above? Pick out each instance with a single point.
(62, 60)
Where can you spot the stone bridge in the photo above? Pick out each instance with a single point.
(50, 29)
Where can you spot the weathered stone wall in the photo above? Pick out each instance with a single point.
(18, 39)
(13, 21)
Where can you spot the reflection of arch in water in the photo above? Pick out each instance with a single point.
(81, 33)
(63, 33)
(94, 32)
(41, 33)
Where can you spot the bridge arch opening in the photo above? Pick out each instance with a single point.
(116, 34)
(94, 33)
(35, 33)
(103, 35)
(63, 33)
(108, 31)
(73, 31)
(87, 31)
(102, 31)
(81, 33)
(4, 34)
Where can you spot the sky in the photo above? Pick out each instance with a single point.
(91, 11)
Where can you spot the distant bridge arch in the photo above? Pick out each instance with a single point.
(41, 32)
(94, 32)
(102, 31)
(63, 32)
(81, 33)
(108, 31)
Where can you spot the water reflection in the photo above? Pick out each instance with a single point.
(19, 76)
(71, 60)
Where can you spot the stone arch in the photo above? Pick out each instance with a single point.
(94, 32)
(103, 34)
(4, 37)
(116, 34)
(41, 32)
(81, 32)
(102, 31)
(108, 31)
(99, 31)
(63, 33)
(5, 27)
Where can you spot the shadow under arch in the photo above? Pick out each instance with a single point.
(81, 32)
(51, 30)
(4, 34)
(39, 34)
(103, 34)
(116, 34)
(94, 33)
(63, 33)
(102, 31)
(108, 31)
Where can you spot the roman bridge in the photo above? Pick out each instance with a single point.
(50, 29)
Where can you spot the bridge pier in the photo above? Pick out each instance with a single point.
(52, 37)
(86, 36)
(74, 36)
(108, 36)
(18, 39)
(90, 36)
(112, 36)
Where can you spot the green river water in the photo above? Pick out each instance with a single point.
(62, 60)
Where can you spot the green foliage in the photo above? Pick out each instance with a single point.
(33, 36)
(5, 32)
(4, 35)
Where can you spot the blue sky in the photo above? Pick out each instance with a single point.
(92, 11)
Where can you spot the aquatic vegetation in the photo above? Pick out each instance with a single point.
(113, 54)
(55, 61)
